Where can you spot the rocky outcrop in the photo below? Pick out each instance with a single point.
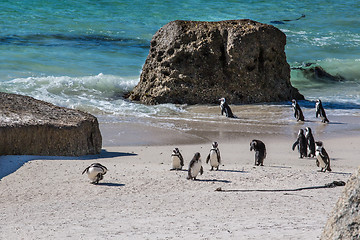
(344, 222)
(198, 62)
(32, 127)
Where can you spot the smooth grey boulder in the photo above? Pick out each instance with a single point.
(33, 127)
(192, 62)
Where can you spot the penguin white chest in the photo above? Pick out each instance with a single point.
(320, 159)
(93, 172)
(176, 163)
(214, 158)
(195, 169)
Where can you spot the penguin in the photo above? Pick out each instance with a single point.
(95, 172)
(310, 142)
(195, 167)
(322, 158)
(301, 143)
(298, 114)
(260, 151)
(177, 160)
(321, 111)
(225, 108)
(214, 157)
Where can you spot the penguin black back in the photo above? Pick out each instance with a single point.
(321, 111)
(260, 151)
(298, 114)
(310, 142)
(225, 108)
(301, 144)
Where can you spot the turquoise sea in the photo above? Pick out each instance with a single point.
(86, 54)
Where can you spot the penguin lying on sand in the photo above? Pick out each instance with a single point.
(298, 114)
(260, 151)
(225, 108)
(321, 111)
(195, 167)
(177, 160)
(301, 143)
(322, 158)
(214, 157)
(310, 142)
(95, 172)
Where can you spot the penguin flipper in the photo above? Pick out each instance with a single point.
(189, 174)
(201, 170)
(207, 159)
(86, 170)
(181, 159)
(294, 145)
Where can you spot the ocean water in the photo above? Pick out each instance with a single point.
(86, 54)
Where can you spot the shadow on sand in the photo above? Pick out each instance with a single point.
(233, 171)
(106, 154)
(109, 184)
(212, 180)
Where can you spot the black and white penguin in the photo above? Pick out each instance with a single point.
(320, 111)
(322, 158)
(310, 142)
(225, 108)
(301, 143)
(260, 151)
(95, 172)
(177, 160)
(298, 114)
(214, 157)
(195, 167)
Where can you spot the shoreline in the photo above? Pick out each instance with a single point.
(254, 123)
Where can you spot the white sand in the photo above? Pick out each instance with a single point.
(140, 198)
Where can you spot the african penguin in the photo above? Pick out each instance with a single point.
(321, 111)
(298, 114)
(214, 157)
(225, 108)
(195, 167)
(177, 160)
(322, 158)
(95, 172)
(260, 151)
(310, 142)
(301, 143)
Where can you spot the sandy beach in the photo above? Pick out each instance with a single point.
(140, 198)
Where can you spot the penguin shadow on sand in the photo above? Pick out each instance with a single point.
(111, 184)
(233, 171)
(212, 180)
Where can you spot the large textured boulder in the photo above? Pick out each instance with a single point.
(344, 222)
(32, 127)
(198, 62)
